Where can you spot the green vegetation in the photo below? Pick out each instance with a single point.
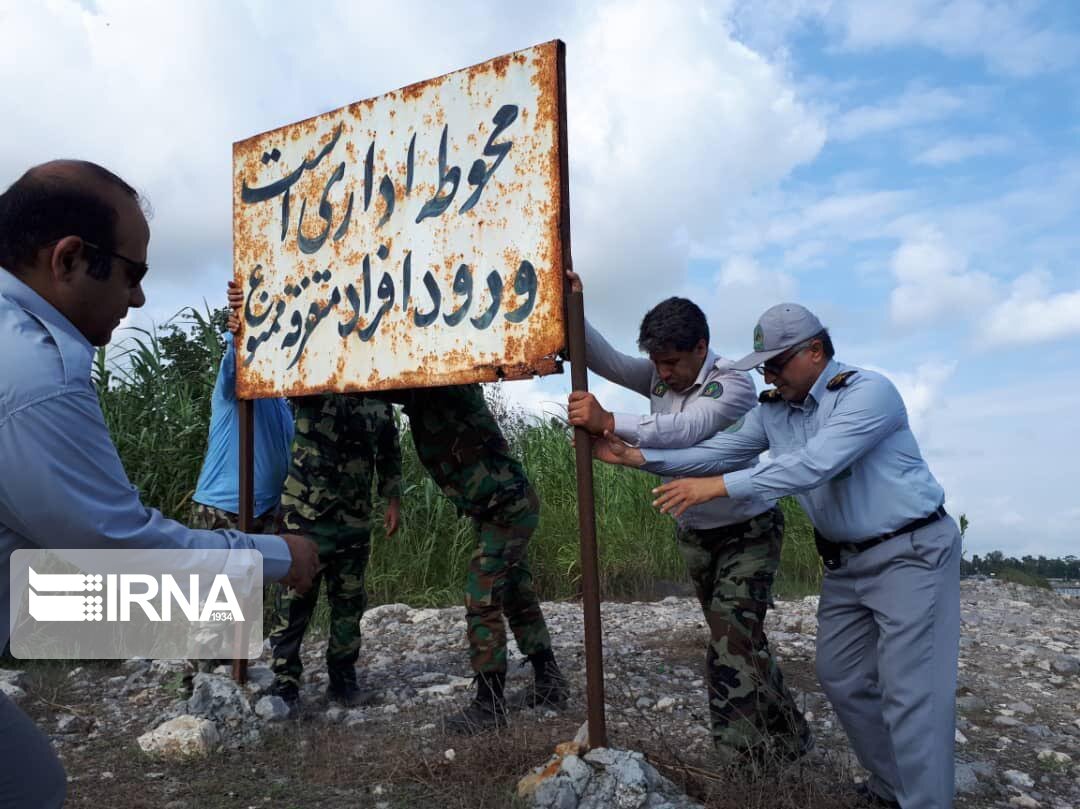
(1017, 576)
(1039, 568)
(155, 393)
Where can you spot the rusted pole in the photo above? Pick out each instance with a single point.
(590, 575)
(246, 416)
(579, 379)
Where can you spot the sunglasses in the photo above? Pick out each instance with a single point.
(775, 366)
(136, 270)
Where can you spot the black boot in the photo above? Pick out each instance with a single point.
(549, 689)
(487, 710)
(345, 690)
(289, 693)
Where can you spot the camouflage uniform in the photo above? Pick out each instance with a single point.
(460, 443)
(733, 568)
(342, 441)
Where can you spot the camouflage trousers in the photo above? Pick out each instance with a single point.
(327, 497)
(208, 518)
(460, 443)
(733, 568)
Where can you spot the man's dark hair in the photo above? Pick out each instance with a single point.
(56, 200)
(826, 343)
(675, 324)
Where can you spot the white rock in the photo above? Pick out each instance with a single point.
(181, 737)
(11, 691)
(14, 677)
(1054, 757)
(420, 616)
(1018, 779)
(665, 704)
(1025, 801)
(601, 756)
(218, 698)
(168, 666)
(578, 772)
(450, 754)
(69, 723)
(960, 737)
(272, 708)
(259, 679)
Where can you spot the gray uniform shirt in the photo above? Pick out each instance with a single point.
(717, 399)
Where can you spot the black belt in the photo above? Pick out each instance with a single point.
(832, 559)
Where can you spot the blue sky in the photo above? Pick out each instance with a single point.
(908, 169)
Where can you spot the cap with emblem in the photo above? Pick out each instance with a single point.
(780, 328)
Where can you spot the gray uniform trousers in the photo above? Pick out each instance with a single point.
(31, 776)
(887, 646)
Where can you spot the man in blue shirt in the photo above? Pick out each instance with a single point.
(889, 616)
(217, 496)
(73, 243)
(731, 548)
(216, 502)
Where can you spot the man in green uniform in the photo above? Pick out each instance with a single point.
(342, 443)
(460, 443)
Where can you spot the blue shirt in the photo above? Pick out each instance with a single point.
(62, 484)
(716, 399)
(848, 455)
(219, 479)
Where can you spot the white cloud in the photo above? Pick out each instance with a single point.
(741, 291)
(934, 282)
(915, 106)
(1006, 35)
(672, 124)
(989, 449)
(955, 150)
(1031, 314)
(923, 391)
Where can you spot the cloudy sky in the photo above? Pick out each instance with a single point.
(906, 168)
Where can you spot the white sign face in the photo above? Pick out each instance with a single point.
(410, 240)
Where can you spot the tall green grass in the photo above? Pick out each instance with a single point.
(155, 390)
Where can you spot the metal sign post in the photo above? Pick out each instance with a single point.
(579, 379)
(246, 412)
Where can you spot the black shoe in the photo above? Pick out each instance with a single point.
(870, 798)
(804, 746)
(549, 689)
(776, 752)
(345, 690)
(289, 693)
(487, 711)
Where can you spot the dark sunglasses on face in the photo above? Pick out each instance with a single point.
(775, 366)
(136, 270)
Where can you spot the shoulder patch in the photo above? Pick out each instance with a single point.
(840, 380)
(769, 396)
(660, 389)
(714, 390)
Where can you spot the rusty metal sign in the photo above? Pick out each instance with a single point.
(409, 240)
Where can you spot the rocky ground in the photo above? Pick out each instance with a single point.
(1018, 721)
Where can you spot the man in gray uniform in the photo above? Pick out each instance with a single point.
(731, 548)
(889, 616)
